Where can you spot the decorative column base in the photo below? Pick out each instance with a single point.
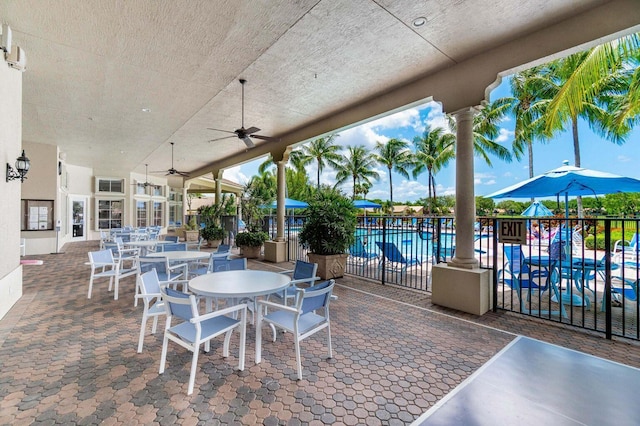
(466, 290)
(275, 251)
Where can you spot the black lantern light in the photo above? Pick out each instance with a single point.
(22, 167)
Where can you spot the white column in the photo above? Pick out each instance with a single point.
(465, 199)
(281, 199)
(218, 177)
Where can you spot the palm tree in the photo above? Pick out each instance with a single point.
(486, 129)
(583, 78)
(358, 166)
(434, 149)
(324, 151)
(530, 89)
(394, 155)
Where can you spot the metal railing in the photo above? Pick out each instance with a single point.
(579, 262)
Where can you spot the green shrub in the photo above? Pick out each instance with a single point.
(251, 239)
(212, 233)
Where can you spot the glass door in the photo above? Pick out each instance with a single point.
(78, 218)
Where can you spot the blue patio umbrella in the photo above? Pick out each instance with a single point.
(366, 204)
(290, 203)
(569, 181)
(537, 209)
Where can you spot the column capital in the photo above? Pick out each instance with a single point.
(281, 155)
(466, 112)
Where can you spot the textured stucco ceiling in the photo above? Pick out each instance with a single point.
(311, 66)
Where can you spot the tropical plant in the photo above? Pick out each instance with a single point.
(357, 166)
(211, 215)
(323, 151)
(394, 155)
(331, 223)
(584, 81)
(251, 238)
(434, 150)
(212, 233)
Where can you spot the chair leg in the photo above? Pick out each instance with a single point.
(115, 288)
(329, 341)
(298, 360)
(155, 325)
(163, 356)
(194, 365)
(90, 287)
(259, 336)
(243, 340)
(143, 327)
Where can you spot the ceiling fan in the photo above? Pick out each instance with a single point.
(172, 171)
(244, 134)
(146, 180)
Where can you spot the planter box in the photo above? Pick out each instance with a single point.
(214, 243)
(329, 266)
(250, 252)
(188, 235)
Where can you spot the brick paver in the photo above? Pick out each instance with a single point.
(66, 359)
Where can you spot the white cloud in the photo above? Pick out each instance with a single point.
(624, 159)
(505, 135)
(234, 174)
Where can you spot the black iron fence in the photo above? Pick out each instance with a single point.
(579, 272)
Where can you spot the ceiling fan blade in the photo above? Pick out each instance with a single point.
(185, 174)
(220, 130)
(219, 139)
(265, 138)
(251, 130)
(248, 142)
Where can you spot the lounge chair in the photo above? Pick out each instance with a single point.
(358, 254)
(393, 260)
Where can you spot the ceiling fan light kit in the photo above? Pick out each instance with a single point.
(243, 134)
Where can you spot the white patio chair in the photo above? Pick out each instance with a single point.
(197, 329)
(302, 275)
(307, 316)
(165, 271)
(103, 265)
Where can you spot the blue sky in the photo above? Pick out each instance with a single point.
(596, 153)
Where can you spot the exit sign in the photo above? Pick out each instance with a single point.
(512, 231)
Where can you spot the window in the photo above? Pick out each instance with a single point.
(108, 185)
(141, 214)
(110, 213)
(157, 213)
(157, 190)
(140, 189)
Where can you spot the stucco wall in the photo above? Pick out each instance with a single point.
(10, 149)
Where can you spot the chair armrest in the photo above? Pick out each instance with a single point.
(148, 296)
(219, 312)
(178, 266)
(286, 272)
(104, 264)
(277, 306)
(304, 280)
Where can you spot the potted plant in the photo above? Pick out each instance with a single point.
(213, 234)
(190, 230)
(329, 231)
(211, 216)
(250, 243)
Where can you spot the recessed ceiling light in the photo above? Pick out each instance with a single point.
(145, 110)
(418, 22)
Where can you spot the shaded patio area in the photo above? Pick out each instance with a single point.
(68, 359)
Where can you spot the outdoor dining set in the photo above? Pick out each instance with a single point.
(204, 294)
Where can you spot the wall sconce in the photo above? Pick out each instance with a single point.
(22, 167)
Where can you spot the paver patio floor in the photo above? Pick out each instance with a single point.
(66, 359)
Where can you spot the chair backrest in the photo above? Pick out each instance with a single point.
(174, 247)
(304, 270)
(357, 248)
(172, 238)
(179, 304)
(157, 264)
(516, 259)
(315, 297)
(220, 264)
(391, 252)
(149, 282)
(101, 256)
(223, 248)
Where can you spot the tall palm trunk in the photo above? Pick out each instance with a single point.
(530, 152)
(576, 154)
(390, 186)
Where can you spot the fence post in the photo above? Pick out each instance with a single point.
(607, 280)
(384, 241)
